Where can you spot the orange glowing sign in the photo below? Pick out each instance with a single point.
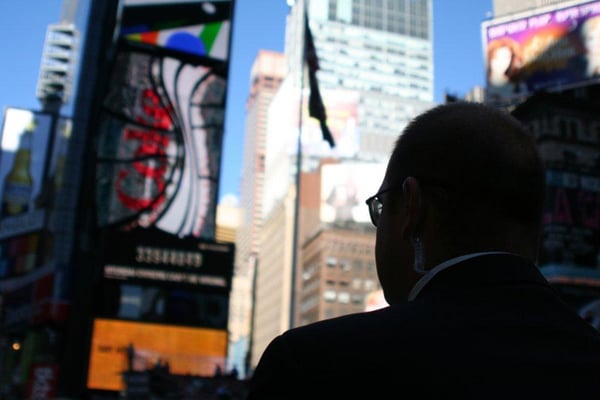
(195, 351)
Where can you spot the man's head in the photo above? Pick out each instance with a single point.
(463, 178)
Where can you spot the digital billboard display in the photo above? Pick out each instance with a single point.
(152, 256)
(571, 223)
(552, 49)
(161, 125)
(342, 120)
(118, 346)
(160, 304)
(344, 189)
(25, 138)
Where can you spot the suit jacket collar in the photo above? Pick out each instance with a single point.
(484, 270)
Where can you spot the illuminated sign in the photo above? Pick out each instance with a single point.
(25, 138)
(571, 219)
(344, 189)
(153, 256)
(43, 380)
(342, 120)
(197, 28)
(161, 129)
(119, 345)
(545, 50)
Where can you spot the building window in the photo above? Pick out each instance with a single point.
(358, 299)
(344, 297)
(369, 284)
(345, 265)
(329, 295)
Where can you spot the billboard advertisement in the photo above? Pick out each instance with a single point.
(159, 304)
(571, 220)
(152, 257)
(344, 189)
(31, 303)
(552, 49)
(19, 254)
(25, 138)
(161, 126)
(342, 120)
(121, 346)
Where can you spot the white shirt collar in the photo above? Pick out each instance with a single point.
(440, 267)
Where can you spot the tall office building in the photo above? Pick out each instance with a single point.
(266, 75)
(382, 49)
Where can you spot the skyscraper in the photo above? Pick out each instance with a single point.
(381, 48)
(267, 72)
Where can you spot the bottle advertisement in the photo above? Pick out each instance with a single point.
(25, 136)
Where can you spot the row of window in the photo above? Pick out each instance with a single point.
(357, 283)
(343, 297)
(347, 265)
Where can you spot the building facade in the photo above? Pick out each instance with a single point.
(566, 128)
(338, 272)
(273, 281)
(381, 49)
(266, 75)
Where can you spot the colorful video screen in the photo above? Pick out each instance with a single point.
(120, 346)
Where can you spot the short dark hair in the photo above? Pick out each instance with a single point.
(484, 158)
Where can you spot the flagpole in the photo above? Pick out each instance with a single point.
(298, 172)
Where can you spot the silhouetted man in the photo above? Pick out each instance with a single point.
(459, 224)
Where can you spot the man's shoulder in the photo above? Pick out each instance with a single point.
(358, 327)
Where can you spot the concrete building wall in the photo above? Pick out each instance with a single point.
(274, 276)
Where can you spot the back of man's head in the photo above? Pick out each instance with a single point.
(481, 171)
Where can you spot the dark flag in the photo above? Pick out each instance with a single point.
(316, 108)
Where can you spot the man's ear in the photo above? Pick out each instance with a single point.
(411, 191)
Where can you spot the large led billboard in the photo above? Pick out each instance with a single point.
(571, 223)
(25, 138)
(164, 305)
(344, 189)
(161, 125)
(153, 257)
(118, 345)
(551, 48)
(342, 120)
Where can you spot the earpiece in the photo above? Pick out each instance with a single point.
(419, 261)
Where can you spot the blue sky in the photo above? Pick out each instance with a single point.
(258, 24)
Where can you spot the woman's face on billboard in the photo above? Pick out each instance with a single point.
(499, 63)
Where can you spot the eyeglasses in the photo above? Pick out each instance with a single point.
(375, 203)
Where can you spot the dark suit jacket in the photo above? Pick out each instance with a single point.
(488, 328)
